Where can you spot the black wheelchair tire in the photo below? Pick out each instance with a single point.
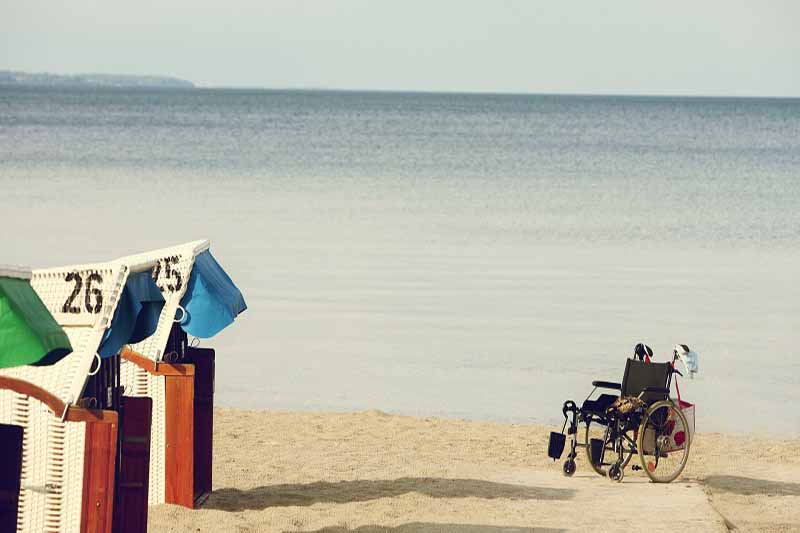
(569, 467)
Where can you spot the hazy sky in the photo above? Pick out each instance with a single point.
(719, 47)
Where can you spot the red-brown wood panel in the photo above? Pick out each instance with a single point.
(133, 476)
(98, 473)
(179, 451)
(203, 360)
(10, 472)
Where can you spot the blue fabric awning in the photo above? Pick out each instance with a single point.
(136, 317)
(211, 301)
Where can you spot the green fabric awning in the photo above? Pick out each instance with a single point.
(28, 333)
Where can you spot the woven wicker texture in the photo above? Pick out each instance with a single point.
(52, 466)
(82, 299)
(172, 276)
(158, 469)
(91, 292)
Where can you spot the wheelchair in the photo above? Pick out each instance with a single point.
(642, 420)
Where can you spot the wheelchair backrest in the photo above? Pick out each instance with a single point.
(640, 375)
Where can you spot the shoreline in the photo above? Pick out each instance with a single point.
(372, 471)
(554, 426)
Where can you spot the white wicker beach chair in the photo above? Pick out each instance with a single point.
(68, 451)
(147, 371)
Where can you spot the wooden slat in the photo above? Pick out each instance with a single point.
(10, 472)
(203, 359)
(79, 414)
(98, 473)
(157, 369)
(179, 436)
(133, 479)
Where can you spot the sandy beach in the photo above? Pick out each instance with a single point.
(413, 231)
(371, 471)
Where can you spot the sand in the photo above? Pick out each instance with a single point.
(369, 471)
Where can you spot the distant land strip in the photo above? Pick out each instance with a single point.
(45, 79)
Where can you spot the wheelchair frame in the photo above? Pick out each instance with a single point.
(655, 419)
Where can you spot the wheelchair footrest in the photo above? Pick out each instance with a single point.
(596, 448)
(556, 446)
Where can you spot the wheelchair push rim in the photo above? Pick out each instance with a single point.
(663, 441)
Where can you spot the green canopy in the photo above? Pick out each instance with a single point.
(28, 333)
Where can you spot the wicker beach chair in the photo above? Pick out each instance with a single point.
(29, 335)
(68, 451)
(181, 385)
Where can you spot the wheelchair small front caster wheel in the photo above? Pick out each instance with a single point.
(569, 467)
(615, 473)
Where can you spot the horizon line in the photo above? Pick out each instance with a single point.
(197, 85)
(488, 93)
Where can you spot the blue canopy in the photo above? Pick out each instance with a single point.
(136, 317)
(211, 301)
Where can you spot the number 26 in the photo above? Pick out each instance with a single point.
(91, 293)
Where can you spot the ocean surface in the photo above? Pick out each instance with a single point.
(455, 255)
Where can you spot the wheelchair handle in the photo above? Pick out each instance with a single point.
(569, 407)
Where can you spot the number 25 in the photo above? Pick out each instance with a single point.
(169, 274)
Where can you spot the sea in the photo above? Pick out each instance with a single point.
(475, 256)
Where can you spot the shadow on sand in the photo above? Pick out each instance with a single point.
(747, 486)
(229, 499)
(425, 527)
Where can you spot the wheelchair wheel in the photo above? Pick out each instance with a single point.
(616, 473)
(595, 430)
(663, 442)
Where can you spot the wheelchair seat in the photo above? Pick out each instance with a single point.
(599, 405)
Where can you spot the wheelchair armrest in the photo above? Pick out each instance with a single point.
(606, 385)
(655, 390)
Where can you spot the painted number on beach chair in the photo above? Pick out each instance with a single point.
(173, 278)
(90, 294)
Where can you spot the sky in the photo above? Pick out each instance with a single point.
(714, 47)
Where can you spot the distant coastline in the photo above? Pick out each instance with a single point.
(14, 78)
(46, 79)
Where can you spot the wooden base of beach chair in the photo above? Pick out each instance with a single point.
(99, 467)
(133, 478)
(179, 439)
(203, 360)
(189, 424)
(10, 474)
(189, 431)
(99, 446)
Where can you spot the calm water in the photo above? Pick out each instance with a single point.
(477, 256)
